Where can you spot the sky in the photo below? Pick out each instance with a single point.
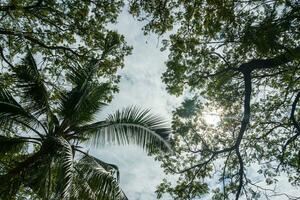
(140, 85)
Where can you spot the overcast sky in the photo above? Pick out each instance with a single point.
(141, 85)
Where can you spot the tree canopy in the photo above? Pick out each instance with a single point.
(241, 59)
(236, 58)
(63, 33)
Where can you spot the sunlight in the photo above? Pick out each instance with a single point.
(212, 118)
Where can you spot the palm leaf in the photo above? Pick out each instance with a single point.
(86, 97)
(81, 103)
(81, 189)
(18, 175)
(130, 126)
(30, 81)
(12, 112)
(109, 167)
(39, 179)
(66, 170)
(99, 181)
(78, 75)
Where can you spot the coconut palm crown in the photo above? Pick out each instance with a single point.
(42, 136)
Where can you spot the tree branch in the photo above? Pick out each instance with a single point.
(296, 125)
(37, 41)
(270, 63)
(4, 58)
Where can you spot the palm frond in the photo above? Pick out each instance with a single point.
(81, 103)
(81, 189)
(97, 179)
(12, 112)
(78, 75)
(38, 178)
(28, 172)
(29, 80)
(114, 169)
(87, 95)
(130, 126)
(64, 182)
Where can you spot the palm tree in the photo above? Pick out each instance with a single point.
(41, 136)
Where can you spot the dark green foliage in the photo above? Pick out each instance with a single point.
(8, 145)
(33, 90)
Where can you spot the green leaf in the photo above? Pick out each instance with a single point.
(66, 171)
(82, 102)
(11, 111)
(130, 126)
(97, 177)
(29, 80)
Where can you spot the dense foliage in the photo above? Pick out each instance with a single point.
(241, 60)
(62, 33)
(238, 58)
(41, 140)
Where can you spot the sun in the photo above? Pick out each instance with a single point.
(212, 117)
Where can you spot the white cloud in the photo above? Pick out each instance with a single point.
(140, 85)
(139, 172)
